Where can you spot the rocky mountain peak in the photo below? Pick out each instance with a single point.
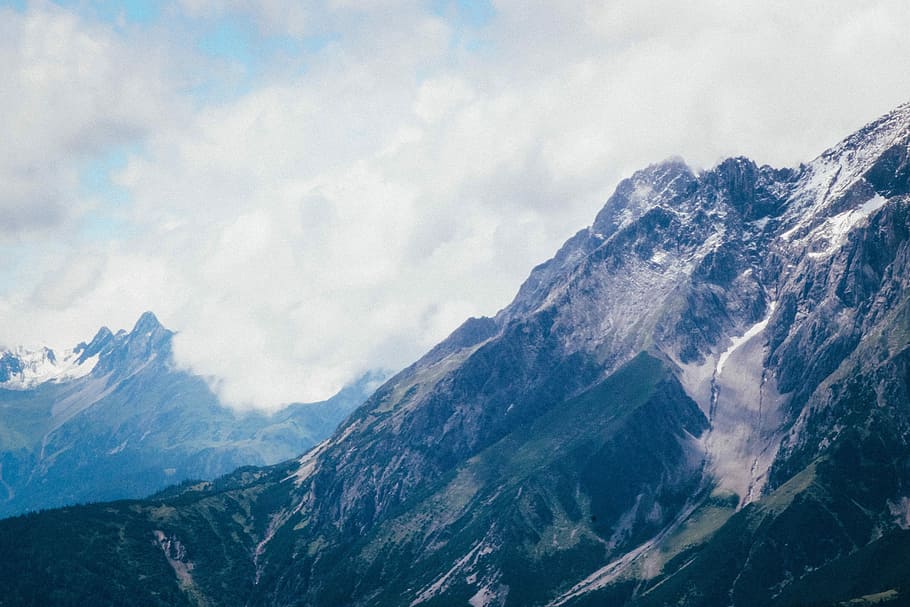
(124, 352)
(114, 418)
(24, 368)
(103, 339)
(147, 323)
(662, 183)
(871, 162)
(880, 134)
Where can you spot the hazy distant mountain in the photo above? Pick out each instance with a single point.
(702, 399)
(114, 418)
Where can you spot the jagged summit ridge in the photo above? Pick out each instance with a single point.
(23, 368)
(147, 322)
(833, 194)
(871, 162)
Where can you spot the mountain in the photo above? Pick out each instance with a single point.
(702, 399)
(114, 418)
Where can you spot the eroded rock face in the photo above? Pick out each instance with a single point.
(702, 399)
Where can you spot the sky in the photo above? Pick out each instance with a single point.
(306, 191)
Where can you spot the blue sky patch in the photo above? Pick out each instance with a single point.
(467, 18)
(142, 12)
(18, 5)
(229, 40)
(96, 177)
(96, 180)
(465, 13)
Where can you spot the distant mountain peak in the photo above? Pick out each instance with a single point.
(879, 133)
(114, 418)
(657, 184)
(146, 323)
(101, 340)
(23, 368)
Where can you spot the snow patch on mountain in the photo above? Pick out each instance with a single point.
(744, 338)
(815, 201)
(35, 367)
(838, 168)
(831, 235)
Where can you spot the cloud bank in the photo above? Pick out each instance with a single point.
(308, 191)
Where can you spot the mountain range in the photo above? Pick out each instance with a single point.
(116, 418)
(702, 399)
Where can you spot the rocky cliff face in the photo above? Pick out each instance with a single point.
(701, 399)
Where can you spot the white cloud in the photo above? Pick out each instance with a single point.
(438, 97)
(69, 90)
(349, 216)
